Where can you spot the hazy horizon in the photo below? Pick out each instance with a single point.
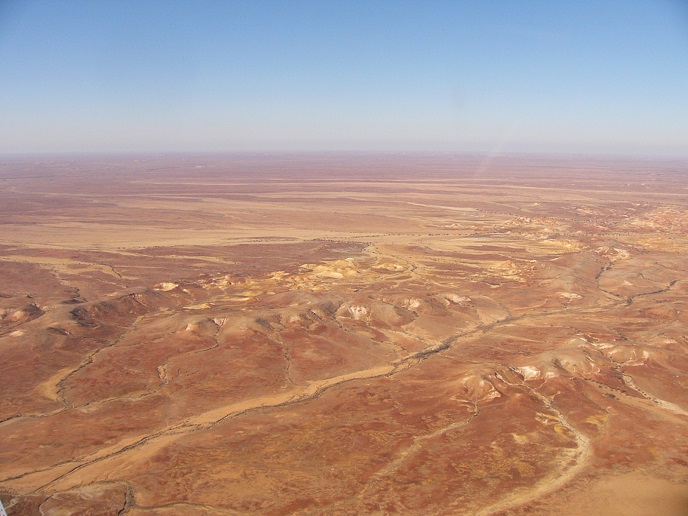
(585, 78)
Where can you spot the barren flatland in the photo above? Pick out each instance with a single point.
(343, 334)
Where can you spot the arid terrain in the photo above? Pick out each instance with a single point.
(343, 334)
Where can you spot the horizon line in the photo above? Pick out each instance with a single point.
(340, 152)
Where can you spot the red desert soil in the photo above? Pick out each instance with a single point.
(328, 334)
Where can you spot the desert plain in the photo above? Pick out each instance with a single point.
(343, 334)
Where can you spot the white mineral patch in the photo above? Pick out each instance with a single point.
(578, 341)
(358, 312)
(165, 286)
(520, 439)
(628, 356)
(411, 303)
(456, 299)
(17, 315)
(613, 253)
(529, 372)
(329, 274)
(395, 267)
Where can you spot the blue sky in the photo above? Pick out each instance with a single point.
(598, 76)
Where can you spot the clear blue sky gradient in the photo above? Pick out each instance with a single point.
(581, 76)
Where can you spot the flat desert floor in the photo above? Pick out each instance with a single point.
(343, 334)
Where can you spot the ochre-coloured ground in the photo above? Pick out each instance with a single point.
(343, 334)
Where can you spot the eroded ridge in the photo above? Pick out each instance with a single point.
(443, 344)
